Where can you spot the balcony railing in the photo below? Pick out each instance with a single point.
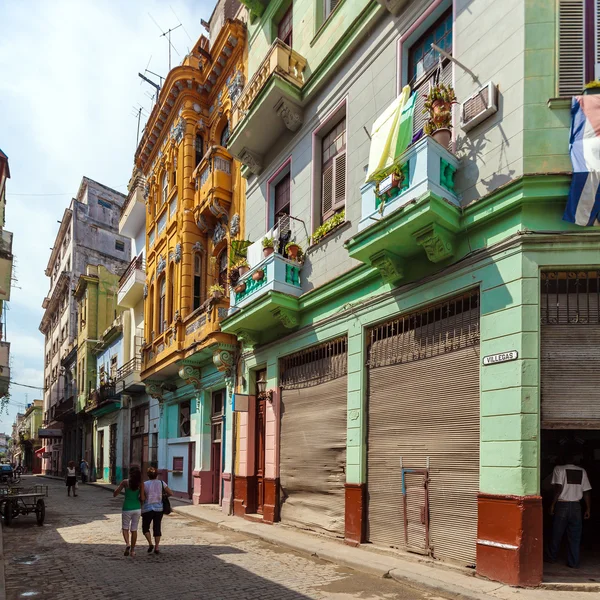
(135, 364)
(280, 60)
(137, 264)
(97, 398)
(213, 173)
(6, 238)
(131, 284)
(139, 185)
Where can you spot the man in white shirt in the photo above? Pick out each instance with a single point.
(571, 484)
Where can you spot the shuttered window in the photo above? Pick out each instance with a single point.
(282, 196)
(578, 44)
(284, 29)
(333, 190)
(329, 7)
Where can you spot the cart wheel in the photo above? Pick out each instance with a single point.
(40, 511)
(8, 513)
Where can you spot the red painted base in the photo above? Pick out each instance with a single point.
(509, 539)
(202, 487)
(355, 527)
(244, 495)
(271, 504)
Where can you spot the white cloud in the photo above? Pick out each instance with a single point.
(69, 82)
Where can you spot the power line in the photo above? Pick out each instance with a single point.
(63, 194)
(33, 387)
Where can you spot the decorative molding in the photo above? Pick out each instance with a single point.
(191, 376)
(288, 318)
(223, 358)
(178, 253)
(145, 291)
(234, 228)
(235, 85)
(219, 233)
(217, 210)
(198, 247)
(437, 241)
(290, 113)
(155, 390)
(161, 265)
(248, 337)
(202, 224)
(389, 266)
(251, 160)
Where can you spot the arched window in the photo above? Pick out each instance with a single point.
(161, 304)
(199, 148)
(164, 187)
(222, 264)
(197, 280)
(225, 135)
(151, 312)
(171, 292)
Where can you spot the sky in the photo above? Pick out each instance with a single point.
(68, 87)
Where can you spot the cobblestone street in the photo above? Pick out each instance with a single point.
(78, 553)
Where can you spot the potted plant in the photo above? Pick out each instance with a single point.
(242, 266)
(292, 249)
(234, 275)
(258, 275)
(591, 88)
(240, 287)
(438, 104)
(268, 245)
(216, 291)
(388, 181)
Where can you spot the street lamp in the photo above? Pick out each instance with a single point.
(261, 384)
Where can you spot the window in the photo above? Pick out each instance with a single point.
(173, 206)
(184, 419)
(102, 375)
(197, 280)
(151, 310)
(578, 52)
(162, 223)
(425, 66)
(171, 292)
(284, 29)
(151, 239)
(165, 188)
(161, 305)
(222, 265)
(174, 177)
(329, 7)
(178, 464)
(120, 246)
(113, 367)
(199, 146)
(282, 197)
(217, 403)
(225, 135)
(104, 203)
(333, 191)
(139, 420)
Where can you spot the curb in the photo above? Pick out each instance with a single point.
(379, 566)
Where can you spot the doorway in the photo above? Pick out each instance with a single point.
(216, 444)
(100, 464)
(112, 453)
(259, 443)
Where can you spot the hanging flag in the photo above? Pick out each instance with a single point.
(391, 133)
(583, 205)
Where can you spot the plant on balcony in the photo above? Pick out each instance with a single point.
(268, 245)
(591, 88)
(240, 287)
(242, 266)
(258, 275)
(438, 104)
(397, 177)
(328, 226)
(216, 291)
(293, 250)
(233, 276)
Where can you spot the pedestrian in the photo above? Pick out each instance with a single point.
(71, 478)
(152, 511)
(132, 507)
(571, 484)
(83, 468)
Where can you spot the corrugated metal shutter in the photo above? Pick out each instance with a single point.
(313, 437)
(424, 414)
(570, 339)
(571, 56)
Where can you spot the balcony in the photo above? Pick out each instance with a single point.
(104, 400)
(213, 182)
(270, 105)
(128, 377)
(4, 367)
(421, 215)
(133, 212)
(6, 264)
(131, 284)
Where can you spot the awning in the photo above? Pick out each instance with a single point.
(391, 133)
(40, 450)
(50, 433)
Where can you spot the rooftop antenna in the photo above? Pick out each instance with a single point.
(184, 29)
(137, 112)
(167, 35)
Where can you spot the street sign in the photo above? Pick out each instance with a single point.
(501, 357)
(241, 402)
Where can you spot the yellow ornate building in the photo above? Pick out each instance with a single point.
(194, 213)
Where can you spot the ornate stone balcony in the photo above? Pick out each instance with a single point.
(131, 284)
(133, 212)
(270, 104)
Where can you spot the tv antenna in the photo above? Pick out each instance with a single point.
(137, 112)
(167, 34)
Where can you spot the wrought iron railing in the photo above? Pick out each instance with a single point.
(135, 364)
(137, 264)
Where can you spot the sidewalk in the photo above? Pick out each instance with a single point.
(400, 567)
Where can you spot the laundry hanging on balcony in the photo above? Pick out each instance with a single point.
(391, 133)
(583, 204)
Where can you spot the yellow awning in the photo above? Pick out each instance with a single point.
(391, 133)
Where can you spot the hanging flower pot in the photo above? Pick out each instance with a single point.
(243, 270)
(268, 246)
(240, 287)
(292, 250)
(268, 251)
(258, 275)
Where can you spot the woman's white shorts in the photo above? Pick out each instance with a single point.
(130, 519)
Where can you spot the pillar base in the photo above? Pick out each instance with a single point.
(510, 539)
(244, 495)
(226, 500)
(202, 487)
(355, 513)
(271, 505)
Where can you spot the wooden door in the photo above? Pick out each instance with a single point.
(215, 460)
(191, 468)
(100, 464)
(112, 453)
(260, 454)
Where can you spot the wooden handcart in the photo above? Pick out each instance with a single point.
(15, 501)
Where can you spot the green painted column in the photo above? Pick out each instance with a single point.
(356, 446)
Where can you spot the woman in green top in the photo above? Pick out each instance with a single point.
(132, 507)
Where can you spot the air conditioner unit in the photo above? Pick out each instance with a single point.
(479, 106)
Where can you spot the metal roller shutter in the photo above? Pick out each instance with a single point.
(313, 437)
(570, 338)
(424, 416)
